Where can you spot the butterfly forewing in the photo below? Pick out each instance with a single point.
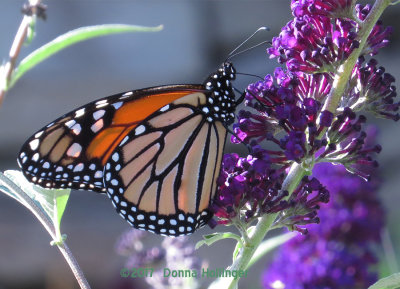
(71, 151)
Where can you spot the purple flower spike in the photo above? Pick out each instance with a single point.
(313, 44)
(322, 35)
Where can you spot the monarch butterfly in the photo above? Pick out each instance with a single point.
(156, 152)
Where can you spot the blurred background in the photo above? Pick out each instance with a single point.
(197, 37)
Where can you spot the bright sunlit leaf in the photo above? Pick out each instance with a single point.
(70, 38)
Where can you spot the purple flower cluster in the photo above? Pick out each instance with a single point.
(287, 122)
(249, 188)
(330, 8)
(372, 91)
(338, 253)
(316, 41)
(292, 109)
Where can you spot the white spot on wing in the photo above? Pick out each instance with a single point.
(164, 108)
(140, 129)
(76, 129)
(115, 157)
(34, 144)
(74, 150)
(124, 141)
(78, 167)
(98, 174)
(70, 123)
(80, 112)
(125, 95)
(101, 101)
(101, 105)
(98, 114)
(35, 157)
(117, 104)
(98, 125)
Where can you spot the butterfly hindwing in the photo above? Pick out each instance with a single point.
(162, 176)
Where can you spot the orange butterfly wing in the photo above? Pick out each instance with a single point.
(71, 151)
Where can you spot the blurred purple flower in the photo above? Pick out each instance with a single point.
(173, 254)
(337, 253)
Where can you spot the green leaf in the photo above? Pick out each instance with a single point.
(51, 202)
(238, 246)
(212, 238)
(390, 282)
(251, 230)
(268, 245)
(70, 38)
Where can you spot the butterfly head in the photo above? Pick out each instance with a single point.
(222, 102)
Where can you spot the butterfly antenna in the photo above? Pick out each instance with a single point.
(230, 55)
(249, 74)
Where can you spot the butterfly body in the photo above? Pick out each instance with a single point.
(155, 152)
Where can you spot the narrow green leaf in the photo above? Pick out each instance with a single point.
(390, 282)
(268, 245)
(238, 246)
(70, 38)
(250, 230)
(212, 238)
(61, 204)
(51, 202)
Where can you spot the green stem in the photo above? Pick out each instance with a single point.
(25, 200)
(297, 172)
